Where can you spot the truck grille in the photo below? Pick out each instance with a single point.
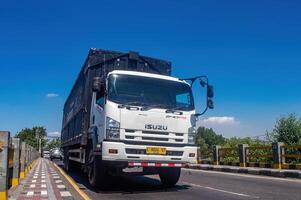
(143, 152)
(153, 136)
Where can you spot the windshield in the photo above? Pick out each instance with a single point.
(150, 92)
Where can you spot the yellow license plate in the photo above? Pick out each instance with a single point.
(156, 150)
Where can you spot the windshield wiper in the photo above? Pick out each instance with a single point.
(133, 103)
(176, 110)
(149, 107)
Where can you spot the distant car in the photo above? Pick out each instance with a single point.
(56, 154)
(46, 154)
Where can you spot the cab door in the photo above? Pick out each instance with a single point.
(97, 116)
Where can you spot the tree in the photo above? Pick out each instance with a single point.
(287, 129)
(209, 136)
(235, 141)
(55, 143)
(206, 139)
(28, 135)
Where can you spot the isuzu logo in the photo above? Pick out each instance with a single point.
(155, 127)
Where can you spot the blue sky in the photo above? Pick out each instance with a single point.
(251, 52)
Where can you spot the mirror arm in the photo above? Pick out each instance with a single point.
(200, 114)
(206, 83)
(193, 79)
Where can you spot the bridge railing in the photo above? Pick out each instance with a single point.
(16, 159)
(259, 156)
(228, 156)
(277, 155)
(291, 156)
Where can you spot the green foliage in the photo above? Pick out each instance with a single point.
(287, 129)
(55, 143)
(209, 136)
(28, 135)
(235, 141)
(206, 139)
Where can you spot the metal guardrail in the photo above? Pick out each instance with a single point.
(277, 156)
(16, 159)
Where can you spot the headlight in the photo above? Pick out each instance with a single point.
(191, 135)
(112, 129)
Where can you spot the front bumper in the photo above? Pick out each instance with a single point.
(123, 146)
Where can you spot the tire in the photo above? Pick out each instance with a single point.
(97, 173)
(68, 164)
(169, 176)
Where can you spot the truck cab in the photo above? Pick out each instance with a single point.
(144, 120)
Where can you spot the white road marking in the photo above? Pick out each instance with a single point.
(65, 194)
(30, 193)
(220, 190)
(245, 175)
(61, 186)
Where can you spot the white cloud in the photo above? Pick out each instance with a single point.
(224, 120)
(54, 134)
(52, 95)
(228, 126)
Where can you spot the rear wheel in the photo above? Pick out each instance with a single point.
(66, 164)
(169, 176)
(69, 166)
(96, 170)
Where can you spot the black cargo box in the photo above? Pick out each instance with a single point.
(98, 63)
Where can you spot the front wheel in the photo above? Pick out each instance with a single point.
(96, 170)
(169, 176)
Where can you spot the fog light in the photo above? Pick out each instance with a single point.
(113, 151)
(192, 155)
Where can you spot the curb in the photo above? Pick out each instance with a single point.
(72, 183)
(250, 170)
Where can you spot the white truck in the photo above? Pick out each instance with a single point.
(126, 114)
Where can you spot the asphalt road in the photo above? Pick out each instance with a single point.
(195, 184)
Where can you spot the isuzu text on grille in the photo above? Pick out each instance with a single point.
(155, 127)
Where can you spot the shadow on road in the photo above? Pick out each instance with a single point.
(124, 184)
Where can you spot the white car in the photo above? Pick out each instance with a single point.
(46, 154)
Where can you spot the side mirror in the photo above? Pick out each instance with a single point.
(210, 91)
(210, 104)
(98, 84)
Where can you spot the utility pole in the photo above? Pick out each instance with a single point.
(39, 138)
(40, 146)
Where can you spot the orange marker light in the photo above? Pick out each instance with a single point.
(113, 151)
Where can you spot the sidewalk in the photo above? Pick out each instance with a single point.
(249, 170)
(41, 183)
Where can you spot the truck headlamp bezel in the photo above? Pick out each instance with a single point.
(191, 135)
(112, 129)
